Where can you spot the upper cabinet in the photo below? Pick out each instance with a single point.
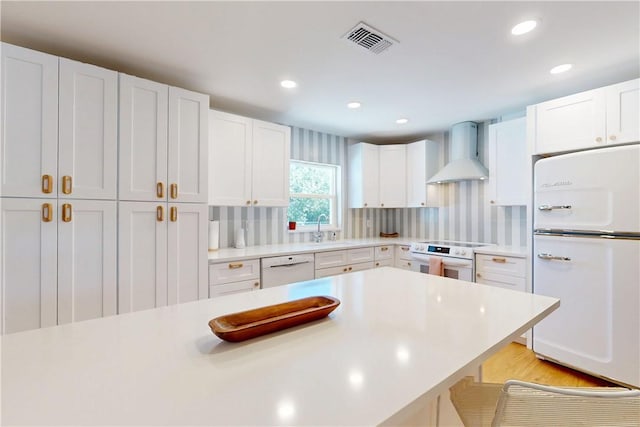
(393, 176)
(608, 115)
(508, 162)
(422, 164)
(163, 142)
(60, 127)
(248, 161)
(364, 176)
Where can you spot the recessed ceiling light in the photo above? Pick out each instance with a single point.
(354, 104)
(561, 68)
(523, 27)
(289, 84)
(402, 121)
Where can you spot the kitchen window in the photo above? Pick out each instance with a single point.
(314, 190)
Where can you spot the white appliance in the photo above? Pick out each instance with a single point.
(281, 270)
(457, 257)
(587, 253)
(463, 156)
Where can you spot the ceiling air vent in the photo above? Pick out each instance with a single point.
(369, 38)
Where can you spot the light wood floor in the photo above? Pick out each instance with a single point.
(517, 362)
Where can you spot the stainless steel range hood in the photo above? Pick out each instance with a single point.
(463, 159)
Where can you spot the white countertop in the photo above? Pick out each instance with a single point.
(398, 337)
(233, 254)
(514, 251)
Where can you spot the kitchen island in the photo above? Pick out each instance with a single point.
(397, 341)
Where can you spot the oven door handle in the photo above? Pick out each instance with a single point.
(447, 262)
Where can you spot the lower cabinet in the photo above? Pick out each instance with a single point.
(501, 271)
(234, 277)
(162, 254)
(383, 256)
(403, 257)
(333, 263)
(58, 261)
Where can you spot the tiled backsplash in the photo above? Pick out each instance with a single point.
(466, 213)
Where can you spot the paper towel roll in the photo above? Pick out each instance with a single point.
(214, 235)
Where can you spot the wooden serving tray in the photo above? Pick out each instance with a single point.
(249, 324)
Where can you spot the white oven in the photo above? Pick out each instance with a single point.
(456, 257)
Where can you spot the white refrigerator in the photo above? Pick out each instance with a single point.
(586, 250)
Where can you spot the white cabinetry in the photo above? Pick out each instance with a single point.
(501, 271)
(508, 162)
(392, 176)
(162, 254)
(607, 115)
(422, 164)
(403, 257)
(364, 181)
(234, 277)
(29, 145)
(345, 261)
(248, 161)
(163, 142)
(383, 256)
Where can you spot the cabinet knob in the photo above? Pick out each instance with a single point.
(612, 137)
(47, 184)
(66, 212)
(409, 264)
(381, 204)
(598, 139)
(67, 185)
(256, 285)
(350, 268)
(255, 202)
(159, 213)
(248, 202)
(492, 201)
(174, 191)
(377, 264)
(160, 190)
(46, 212)
(173, 213)
(421, 203)
(365, 205)
(344, 269)
(478, 275)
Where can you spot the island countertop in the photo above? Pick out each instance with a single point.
(397, 338)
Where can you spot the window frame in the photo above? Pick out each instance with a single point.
(335, 199)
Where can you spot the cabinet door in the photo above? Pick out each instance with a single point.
(393, 176)
(230, 138)
(188, 146)
(87, 286)
(187, 252)
(270, 164)
(88, 142)
(29, 109)
(142, 256)
(28, 263)
(623, 112)
(508, 162)
(143, 139)
(233, 288)
(416, 174)
(572, 122)
(360, 255)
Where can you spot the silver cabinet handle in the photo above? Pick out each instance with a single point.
(553, 258)
(549, 208)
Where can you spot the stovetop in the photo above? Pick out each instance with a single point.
(446, 248)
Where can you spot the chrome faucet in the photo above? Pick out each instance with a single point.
(318, 235)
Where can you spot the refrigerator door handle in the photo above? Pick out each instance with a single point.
(550, 208)
(550, 257)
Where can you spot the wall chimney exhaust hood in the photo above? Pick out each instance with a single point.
(463, 158)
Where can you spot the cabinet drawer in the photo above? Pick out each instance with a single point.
(404, 264)
(331, 259)
(360, 266)
(234, 271)
(402, 252)
(501, 281)
(359, 255)
(331, 271)
(233, 288)
(510, 266)
(383, 263)
(383, 252)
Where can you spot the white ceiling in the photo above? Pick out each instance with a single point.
(455, 61)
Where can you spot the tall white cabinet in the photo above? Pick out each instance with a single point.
(163, 193)
(59, 149)
(248, 160)
(60, 234)
(508, 163)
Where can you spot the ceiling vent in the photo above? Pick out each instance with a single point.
(369, 38)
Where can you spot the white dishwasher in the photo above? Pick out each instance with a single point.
(285, 269)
